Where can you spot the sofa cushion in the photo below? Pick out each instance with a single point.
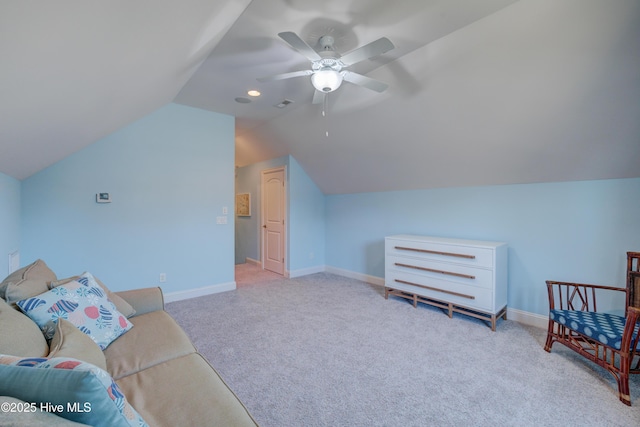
(26, 282)
(19, 335)
(155, 338)
(185, 391)
(62, 381)
(69, 341)
(87, 307)
(89, 279)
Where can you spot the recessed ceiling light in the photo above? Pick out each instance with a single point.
(243, 100)
(253, 92)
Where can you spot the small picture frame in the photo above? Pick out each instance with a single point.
(243, 204)
(103, 198)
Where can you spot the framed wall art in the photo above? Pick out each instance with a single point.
(243, 204)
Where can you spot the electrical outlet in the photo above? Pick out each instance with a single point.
(163, 277)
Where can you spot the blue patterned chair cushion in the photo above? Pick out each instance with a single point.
(602, 327)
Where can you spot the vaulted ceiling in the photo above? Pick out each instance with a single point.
(481, 92)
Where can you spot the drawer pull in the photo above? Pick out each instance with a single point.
(436, 252)
(450, 273)
(435, 289)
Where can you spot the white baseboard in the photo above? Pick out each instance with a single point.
(374, 280)
(334, 270)
(531, 319)
(253, 261)
(199, 292)
(305, 271)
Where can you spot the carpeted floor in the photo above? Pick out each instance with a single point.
(324, 350)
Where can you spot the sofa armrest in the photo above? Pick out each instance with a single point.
(144, 300)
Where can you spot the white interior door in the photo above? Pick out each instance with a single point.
(273, 220)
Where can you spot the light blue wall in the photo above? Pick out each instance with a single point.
(306, 221)
(9, 220)
(248, 180)
(573, 231)
(169, 174)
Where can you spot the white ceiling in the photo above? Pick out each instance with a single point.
(481, 92)
(74, 71)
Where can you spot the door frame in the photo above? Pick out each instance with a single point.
(284, 214)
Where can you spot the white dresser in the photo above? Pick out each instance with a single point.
(463, 276)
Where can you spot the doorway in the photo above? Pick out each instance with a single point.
(273, 214)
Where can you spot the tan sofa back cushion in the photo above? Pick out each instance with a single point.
(69, 341)
(19, 335)
(27, 282)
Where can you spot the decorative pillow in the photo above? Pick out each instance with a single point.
(69, 341)
(87, 307)
(75, 390)
(19, 335)
(90, 280)
(26, 282)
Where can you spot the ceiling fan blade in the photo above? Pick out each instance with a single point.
(367, 51)
(365, 81)
(298, 44)
(285, 76)
(318, 97)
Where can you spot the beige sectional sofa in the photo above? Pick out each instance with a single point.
(154, 364)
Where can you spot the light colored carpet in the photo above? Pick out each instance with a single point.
(324, 350)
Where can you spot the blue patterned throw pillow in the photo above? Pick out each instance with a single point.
(83, 303)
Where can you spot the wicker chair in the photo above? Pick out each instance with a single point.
(609, 340)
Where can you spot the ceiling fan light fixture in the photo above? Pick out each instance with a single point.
(326, 80)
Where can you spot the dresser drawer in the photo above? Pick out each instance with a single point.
(436, 270)
(455, 293)
(472, 256)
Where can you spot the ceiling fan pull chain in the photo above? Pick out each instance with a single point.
(325, 113)
(325, 104)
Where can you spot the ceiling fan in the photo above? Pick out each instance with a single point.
(328, 67)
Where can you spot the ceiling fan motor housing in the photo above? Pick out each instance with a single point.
(326, 42)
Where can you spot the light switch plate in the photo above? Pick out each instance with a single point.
(14, 261)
